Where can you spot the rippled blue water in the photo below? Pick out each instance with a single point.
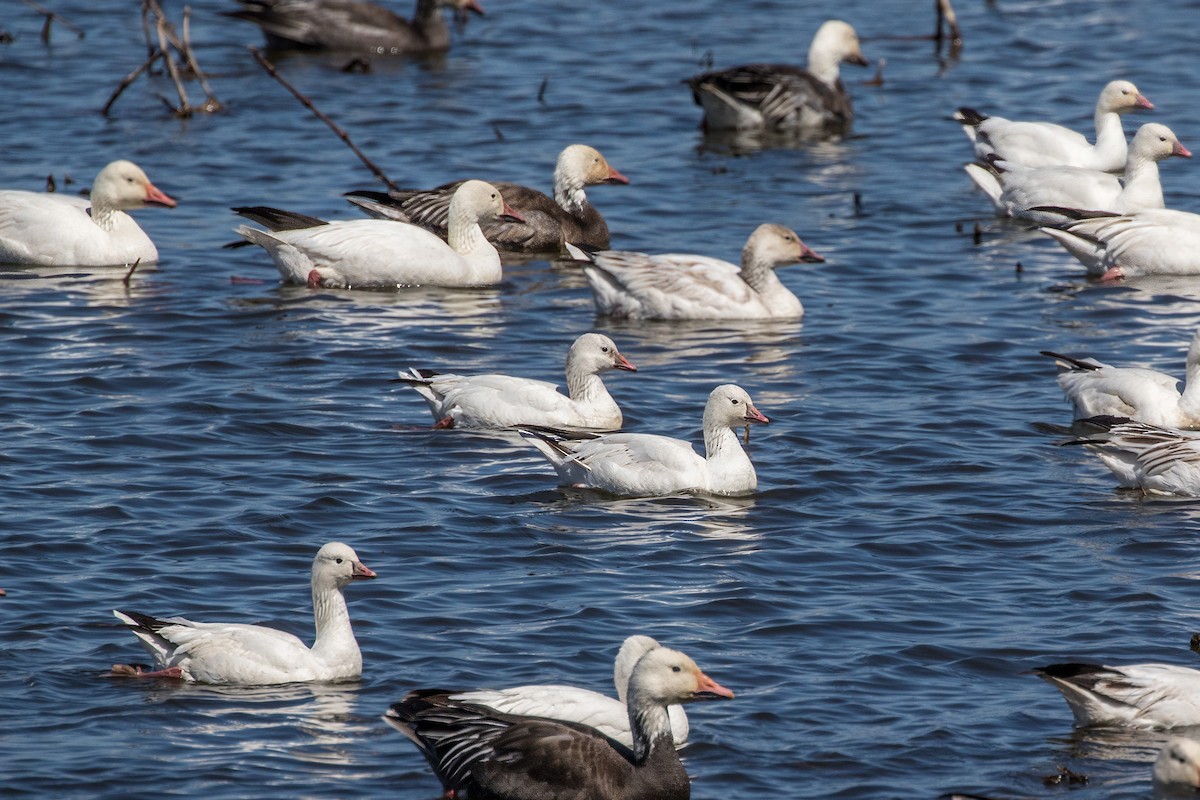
(183, 443)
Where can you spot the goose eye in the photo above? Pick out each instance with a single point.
(676, 669)
(338, 560)
(736, 401)
(604, 349)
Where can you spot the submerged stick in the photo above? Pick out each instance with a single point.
(321, 115)
(945, 13)
(211, 103)
(52, 17)
(127, 80)
(129, 274)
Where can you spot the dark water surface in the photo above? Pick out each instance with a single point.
(183, 443)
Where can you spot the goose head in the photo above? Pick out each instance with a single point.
(777, 245)
(461, 7)
(1178, 766)
(1154, 142)
(595, 352)
(580, 165)
(336, 565)
(123, 186)
(836, 41)
(664, 677)
(479, 200)
(1122, 96)
(729, 406)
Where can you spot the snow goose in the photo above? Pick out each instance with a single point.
(608, 715)
(1153, 241)
(1019, 191)
(684, 286)
(352, 25)
(1045, 144)
(378, 254)
(1144, 395)
(644, 465)
(254, 655)
(501, 401)
(1177, 768)
(783, 98)
(1152, 458)
(56, 230)
(546, 223)
(475, 751)
(1137, 695)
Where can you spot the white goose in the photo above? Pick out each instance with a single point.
(608, 715)
(1144, 395)
(57, 230)
(546, 223)
(1154, 459)
(501, 401)
(643, 465)
(1019, 191)
(1155, 241)
(254, 655)
(1177, 768)
(684, 286)
(1137, 695)
(382, 254)
(1045, 144)
(784, 98)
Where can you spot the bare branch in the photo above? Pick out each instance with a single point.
(321, 115)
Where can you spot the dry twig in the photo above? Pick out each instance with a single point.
(52, 17)
(321, 115)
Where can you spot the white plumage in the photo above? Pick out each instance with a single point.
(1159, 241)
(1136, 695)
(501, 401)
(252, 655)
(1046, 144)
(1177, 768)
(684, 286)
(642, 464)
(383, 254)
(51, 229)
(1154, 459)
(1144, 395)
(1021, 192)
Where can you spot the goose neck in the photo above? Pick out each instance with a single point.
(332, 617)
(568, 191)
(651, 725)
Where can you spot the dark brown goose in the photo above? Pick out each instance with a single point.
(483, 753)
(568, 217)
(783, 98)
(352, 25)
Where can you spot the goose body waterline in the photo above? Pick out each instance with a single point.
(1135, 695)
(51, 229)
(502, 401)
(685, 286)
(643, 464)
(784, 98)
(1143, 395)
(254, 655)
(380, 254)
